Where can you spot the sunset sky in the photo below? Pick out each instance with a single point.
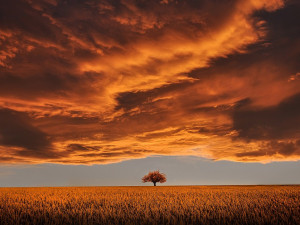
(177, 85)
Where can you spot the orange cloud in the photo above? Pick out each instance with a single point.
(92, 82)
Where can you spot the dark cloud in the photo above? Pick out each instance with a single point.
(272, 148)
(16, 131)
(31, 84)
(20, 17)
(81, 148)
(130, 100)
(276, 122)
(283, 36)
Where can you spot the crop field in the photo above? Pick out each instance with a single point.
(151, 205)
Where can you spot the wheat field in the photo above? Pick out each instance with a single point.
(151, 205)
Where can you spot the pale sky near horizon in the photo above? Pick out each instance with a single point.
(186, 170)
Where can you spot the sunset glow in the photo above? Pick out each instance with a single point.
(96, 82)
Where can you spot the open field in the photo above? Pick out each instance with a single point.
(151, 205)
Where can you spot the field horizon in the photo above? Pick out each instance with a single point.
(180, 185)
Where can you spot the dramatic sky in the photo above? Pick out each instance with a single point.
(87, 82)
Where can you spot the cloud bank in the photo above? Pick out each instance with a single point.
(87, 82)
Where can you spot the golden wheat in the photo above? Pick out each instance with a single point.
(151, 205)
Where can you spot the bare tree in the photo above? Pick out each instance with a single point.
(154, 177)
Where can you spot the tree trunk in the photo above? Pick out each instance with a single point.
(154, 183)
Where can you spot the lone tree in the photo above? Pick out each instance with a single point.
(154, 177)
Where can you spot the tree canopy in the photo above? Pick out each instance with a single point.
(154, 177)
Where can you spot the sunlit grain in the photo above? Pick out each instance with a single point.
(151, 205)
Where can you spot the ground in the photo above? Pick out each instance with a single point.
(151, 205)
